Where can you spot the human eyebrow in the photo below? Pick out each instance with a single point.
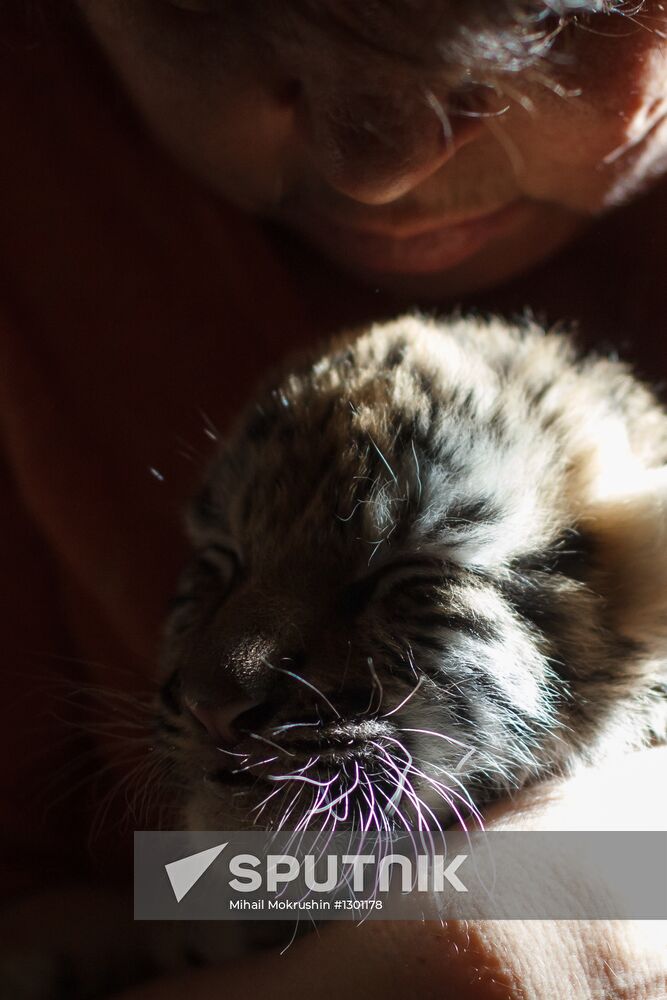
(592, 6)
(502, 35)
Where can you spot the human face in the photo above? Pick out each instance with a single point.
(434, 178)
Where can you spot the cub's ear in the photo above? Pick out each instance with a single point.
(629, 526)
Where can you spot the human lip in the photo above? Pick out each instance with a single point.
(409, 246)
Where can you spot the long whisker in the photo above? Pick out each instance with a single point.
(256, 763)
(377, 683)
(294, 725)
(405, 700)
(300, 777)
(440, 736)
(302, 680)
(231, 752)
(465, 796)
(264, 739)
(343, 794)
(448, 795)
(262, 805)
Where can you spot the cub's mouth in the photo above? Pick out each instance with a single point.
(355, 775)
(310, 774)
(304, 749)
(298, 767)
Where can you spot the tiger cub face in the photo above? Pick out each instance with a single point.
(426, 569)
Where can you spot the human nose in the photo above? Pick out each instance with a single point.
(377, 158)
(375, 150)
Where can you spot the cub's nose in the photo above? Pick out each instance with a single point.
(227, 723)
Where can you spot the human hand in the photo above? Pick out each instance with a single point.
(481, 960)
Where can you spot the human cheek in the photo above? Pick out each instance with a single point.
(596, 138)
(238, 149)
(200, 96)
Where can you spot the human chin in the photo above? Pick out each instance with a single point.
(528, 233)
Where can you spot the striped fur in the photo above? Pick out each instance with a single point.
(434, 560)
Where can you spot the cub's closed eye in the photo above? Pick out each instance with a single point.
(222, 560)
(211, 575)
(402, 572)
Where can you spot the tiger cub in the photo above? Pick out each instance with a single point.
(430, 566)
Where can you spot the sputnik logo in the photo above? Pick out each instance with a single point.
(186, 872)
